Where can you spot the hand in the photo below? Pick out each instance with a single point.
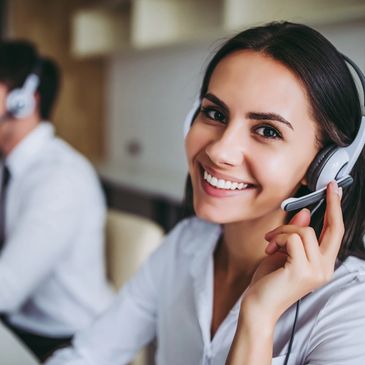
(297, 262)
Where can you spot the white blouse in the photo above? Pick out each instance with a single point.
(171, 298)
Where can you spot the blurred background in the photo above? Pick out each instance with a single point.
(132, 68)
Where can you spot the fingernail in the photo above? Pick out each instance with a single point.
(335, 187)
(340, 192)
(271, 248)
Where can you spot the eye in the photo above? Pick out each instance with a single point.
(268, 132)
(213, 114)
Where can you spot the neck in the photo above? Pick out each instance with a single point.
(243, 245)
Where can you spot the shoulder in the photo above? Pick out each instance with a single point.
(340, 319)
(61, 166)
(62, 153)
(348, 279)
(347, 289)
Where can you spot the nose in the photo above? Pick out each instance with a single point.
(228, 148)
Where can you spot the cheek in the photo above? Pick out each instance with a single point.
(195, 142)
(281, 172)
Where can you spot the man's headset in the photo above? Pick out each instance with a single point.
(20, 102)
(331, 163)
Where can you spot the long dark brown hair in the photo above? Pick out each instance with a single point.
(334, 102)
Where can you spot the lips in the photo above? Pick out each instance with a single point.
(220, 181)
(221, 185)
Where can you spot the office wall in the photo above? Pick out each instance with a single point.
(149, 94)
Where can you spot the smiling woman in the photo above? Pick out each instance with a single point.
(222, 288)
(242, 135)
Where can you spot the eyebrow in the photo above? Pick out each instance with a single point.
(250, 115)
(269, 116)
(217, 101)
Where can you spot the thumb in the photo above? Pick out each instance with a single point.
(302, 218)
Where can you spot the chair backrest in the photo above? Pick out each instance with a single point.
(130, 239)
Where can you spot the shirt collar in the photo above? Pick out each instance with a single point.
(28, 148)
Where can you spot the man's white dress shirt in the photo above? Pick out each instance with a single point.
(171, 298)
(52, 270)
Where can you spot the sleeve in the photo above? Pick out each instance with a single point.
(41, 235)
(128, 325)
(338, 335)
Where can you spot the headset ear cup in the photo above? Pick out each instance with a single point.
(191, 116)
(20, 103)
(318, 164)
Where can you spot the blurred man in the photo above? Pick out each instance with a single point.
(52, 212)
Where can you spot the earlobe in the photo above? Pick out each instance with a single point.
(304, 181)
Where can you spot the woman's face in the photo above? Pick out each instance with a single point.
(252, 141)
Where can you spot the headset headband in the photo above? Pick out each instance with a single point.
(359, 73)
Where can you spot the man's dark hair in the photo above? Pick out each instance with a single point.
(17, 60)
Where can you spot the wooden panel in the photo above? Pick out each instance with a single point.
(79, 114)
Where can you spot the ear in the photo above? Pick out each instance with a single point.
(304, 181)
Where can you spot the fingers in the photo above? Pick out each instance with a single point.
(302, 218)
(308, 241)
(294, 247)
(333, 226)
(330, 239)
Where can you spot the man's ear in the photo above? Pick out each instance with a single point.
(37, 97)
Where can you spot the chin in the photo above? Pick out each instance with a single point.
(218, 216)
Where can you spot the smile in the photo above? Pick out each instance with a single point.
(224, 184)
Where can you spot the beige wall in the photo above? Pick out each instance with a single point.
(79, 114)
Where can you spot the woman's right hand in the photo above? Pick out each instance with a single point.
(297, 262)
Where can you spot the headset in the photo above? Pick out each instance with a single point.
(331, 163)
(20, 102)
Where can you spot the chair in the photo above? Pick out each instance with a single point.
(130, 239)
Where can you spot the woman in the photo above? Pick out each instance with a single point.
(271, 99)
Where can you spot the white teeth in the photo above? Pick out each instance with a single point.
(234, 186)
(223, 184)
